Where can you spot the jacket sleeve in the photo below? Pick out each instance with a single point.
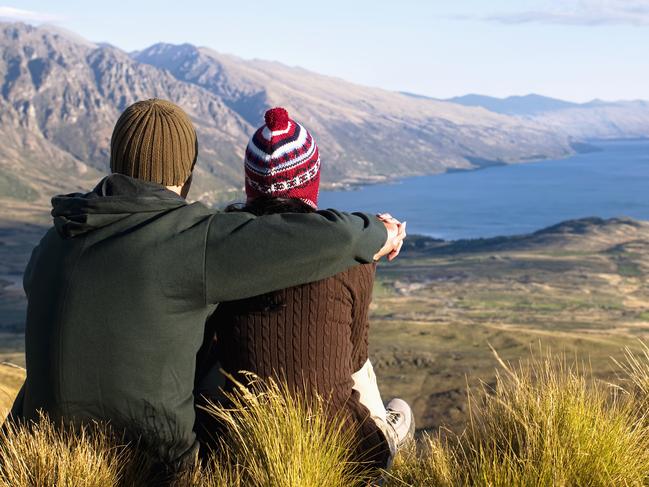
(247, 255)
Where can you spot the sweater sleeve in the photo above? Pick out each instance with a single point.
(362, 292)
(247, 255)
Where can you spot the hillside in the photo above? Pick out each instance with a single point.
(365, 132)
(596, 119)
(583, 235)
(579, 286)
(514, 105)
(60, 96)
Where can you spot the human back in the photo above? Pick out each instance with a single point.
(109, 316)
(101, 326)
(312, 337)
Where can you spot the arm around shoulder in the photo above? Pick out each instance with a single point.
(248, 255)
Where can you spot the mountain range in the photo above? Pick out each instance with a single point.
(596, 119)
(60, 95)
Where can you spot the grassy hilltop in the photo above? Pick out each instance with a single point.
(548, 422)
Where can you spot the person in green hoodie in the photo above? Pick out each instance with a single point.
(120, 288)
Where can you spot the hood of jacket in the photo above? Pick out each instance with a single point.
(115, 197)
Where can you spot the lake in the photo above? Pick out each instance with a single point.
(513, 199)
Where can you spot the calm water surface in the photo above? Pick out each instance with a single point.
(515, 199)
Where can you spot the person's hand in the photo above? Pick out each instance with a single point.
(386, 218)
(396, 234)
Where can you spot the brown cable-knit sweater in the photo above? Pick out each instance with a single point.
(313, 336)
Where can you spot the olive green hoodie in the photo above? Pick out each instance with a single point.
(119, 290)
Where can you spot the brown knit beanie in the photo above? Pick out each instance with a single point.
(154, 140)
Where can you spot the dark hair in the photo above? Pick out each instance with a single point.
(267, 205)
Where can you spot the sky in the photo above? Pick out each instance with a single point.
(576, 50)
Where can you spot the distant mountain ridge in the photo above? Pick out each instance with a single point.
(531, 104)
(596, 119)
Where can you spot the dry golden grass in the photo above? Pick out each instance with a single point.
(635, 374)
(11, 379)
(550, 423)
(44, 455)
(547, 422)
(274, 439)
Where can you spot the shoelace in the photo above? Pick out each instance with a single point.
(393, 417)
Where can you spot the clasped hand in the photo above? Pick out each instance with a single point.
(396, 234)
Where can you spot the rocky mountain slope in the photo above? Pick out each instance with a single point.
(60, 96)
(364, 133)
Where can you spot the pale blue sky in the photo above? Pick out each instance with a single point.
(571, 49)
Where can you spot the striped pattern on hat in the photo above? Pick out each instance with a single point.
(282, 160)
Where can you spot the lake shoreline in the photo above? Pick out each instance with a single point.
(356, 184)
(512, 199)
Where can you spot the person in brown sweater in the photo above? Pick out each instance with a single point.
(313, 337)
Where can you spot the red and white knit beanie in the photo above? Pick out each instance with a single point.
(282, 160)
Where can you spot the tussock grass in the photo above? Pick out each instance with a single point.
(274, 439)
(546, 422)
(635, 374)
(432, 463)
(41, 454)
(551, 423)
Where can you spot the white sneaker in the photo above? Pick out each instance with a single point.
(401, 421)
